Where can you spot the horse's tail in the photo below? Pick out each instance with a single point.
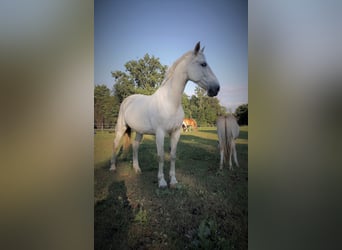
(123, 130)
(228, 135)
(127, 140)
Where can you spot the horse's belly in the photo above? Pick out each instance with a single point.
(173, 124)
(139, 122)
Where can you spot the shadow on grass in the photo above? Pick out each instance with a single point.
(112, 218)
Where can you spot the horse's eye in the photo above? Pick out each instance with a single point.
(203, 64)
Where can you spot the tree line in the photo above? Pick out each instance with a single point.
(144, 76)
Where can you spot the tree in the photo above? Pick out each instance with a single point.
(186, 106)
(101, 104)
(123, 86)
(141, 76)
(205, 109)
(241, 113)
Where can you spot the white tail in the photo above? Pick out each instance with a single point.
(227, 131)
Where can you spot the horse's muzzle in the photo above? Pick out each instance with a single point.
(213, 91)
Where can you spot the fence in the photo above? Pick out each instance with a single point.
(104, 126)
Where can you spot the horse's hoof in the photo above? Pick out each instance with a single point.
(173, 182)
(173, 185)
(112, 169)
(162, 183)
(137, 170)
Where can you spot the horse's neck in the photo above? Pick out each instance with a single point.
(173, 89)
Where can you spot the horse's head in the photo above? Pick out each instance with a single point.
(200, 72)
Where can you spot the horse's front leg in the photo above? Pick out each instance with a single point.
(174, 141)
(160, 151)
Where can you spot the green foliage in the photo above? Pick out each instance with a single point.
(209, 237)
(186, 106)
(141, 216)
(123, 87)
(142, 76)
(205, 109)
(242, 114)
(105, 106)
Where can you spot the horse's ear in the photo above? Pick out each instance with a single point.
(197, 48)
(202, 49)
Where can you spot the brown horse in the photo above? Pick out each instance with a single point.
(189, 123)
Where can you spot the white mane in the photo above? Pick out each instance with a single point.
(171, 70)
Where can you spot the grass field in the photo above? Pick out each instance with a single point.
(207, 210)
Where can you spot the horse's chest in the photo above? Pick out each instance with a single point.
(167, 116)
(174, 121)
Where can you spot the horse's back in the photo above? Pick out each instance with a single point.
(220, 124)
(233, 125)
(227, 123)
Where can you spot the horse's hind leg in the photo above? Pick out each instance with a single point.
(135, 146)
(174, 141)
(235, 155)
(118, 134)
(230, 155)
(221, 157)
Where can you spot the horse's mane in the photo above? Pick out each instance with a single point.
(171, 70)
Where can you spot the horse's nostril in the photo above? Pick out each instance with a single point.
(213, 91)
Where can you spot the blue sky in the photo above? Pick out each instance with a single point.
(127, 30)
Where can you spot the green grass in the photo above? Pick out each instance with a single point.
(207, 209)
